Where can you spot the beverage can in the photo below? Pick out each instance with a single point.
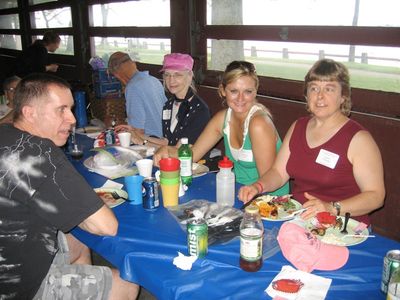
(110, 137)
(151, 199)
(391, 263)
(197, 237)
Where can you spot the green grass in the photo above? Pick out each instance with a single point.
(362, 75)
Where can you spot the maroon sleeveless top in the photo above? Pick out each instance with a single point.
(328, 184)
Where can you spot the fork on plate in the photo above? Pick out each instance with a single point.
(116, 196)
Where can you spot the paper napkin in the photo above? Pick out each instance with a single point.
(184, 262)
(112, 184)
(314, 288)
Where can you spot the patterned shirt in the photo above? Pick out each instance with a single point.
(192, 117)
(40, 193)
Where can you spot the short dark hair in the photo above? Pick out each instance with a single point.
(10, 80)
(34, 87)
(50, 37)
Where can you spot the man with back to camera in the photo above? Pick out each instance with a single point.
(35, 58)
(144, 94)
(41, 196)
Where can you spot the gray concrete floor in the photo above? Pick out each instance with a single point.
(98, 260)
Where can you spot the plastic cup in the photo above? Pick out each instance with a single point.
(133, 185)
(145, 167)
(170, 167)
(169, 164)
(124, 139)
(170, 191)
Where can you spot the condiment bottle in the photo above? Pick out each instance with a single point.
(251, 239)
(185, 156)
(225, 183)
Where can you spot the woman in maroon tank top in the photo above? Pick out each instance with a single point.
(334, 163)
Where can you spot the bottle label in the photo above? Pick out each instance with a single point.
(186, 166)
(251, 244)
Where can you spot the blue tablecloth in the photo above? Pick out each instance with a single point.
(147, 243)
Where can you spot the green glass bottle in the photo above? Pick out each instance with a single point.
(185, 156)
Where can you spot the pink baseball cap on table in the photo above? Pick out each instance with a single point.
(178, 62)
(306, 252)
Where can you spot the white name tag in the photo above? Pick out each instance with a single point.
(246, 155)
(327, 158)
(166, 114)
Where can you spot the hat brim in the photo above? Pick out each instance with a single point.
(306, 252)
(175, 68)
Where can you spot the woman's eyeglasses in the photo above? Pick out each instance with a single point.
(176, 75)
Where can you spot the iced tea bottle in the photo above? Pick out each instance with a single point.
(251, 240)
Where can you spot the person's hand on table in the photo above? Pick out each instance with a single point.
(123, 127)
(315, 205)
(162, 152)
(248, 192)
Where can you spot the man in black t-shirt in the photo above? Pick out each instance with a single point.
(41, 194)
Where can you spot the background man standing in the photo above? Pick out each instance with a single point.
(35, 58)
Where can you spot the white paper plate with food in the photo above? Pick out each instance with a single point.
(112, 197)
(199, 170)
(327, 228)
(111, 158)
(277, 208)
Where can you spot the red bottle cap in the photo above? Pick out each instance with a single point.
(225, 163)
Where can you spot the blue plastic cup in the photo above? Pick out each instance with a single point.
(133, 185)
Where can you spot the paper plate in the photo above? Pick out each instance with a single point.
(113, 157)
(283, 215)
(143, 150)
(199, 170)
(105, 195)
(91, 164)
(335, 237)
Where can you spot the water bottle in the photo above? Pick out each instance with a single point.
(251, 240)
(185, 156)
(225, 183)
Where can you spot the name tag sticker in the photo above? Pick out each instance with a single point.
(166, 114)
(327, 158)
(246, 155)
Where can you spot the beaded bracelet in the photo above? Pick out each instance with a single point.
(259, 186)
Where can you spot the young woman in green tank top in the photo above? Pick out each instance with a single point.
(251, 140)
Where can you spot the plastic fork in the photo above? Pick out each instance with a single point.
(295, 213)
(116, 196)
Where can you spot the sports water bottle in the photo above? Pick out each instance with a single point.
(225, 183)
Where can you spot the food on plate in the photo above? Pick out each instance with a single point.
(323, 221)
(107, 198)
(287, 285)
(267, 210)
(270, 206)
